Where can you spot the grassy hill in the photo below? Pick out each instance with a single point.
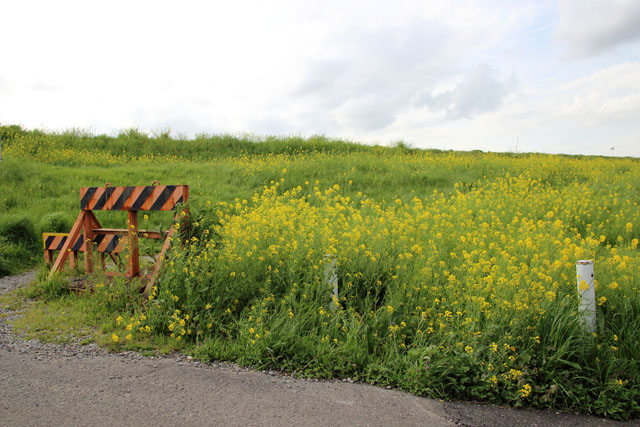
(456, 270)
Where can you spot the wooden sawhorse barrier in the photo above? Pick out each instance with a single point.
(131, 199)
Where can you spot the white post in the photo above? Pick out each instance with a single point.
(587, 291)
(331, 278)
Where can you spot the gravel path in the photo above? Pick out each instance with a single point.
(47, 384)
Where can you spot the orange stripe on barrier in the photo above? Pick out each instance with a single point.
(117, 192)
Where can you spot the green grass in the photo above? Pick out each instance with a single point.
(456, 270)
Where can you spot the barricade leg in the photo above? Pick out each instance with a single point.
(48, 256)
(73, 260)
(134, 256)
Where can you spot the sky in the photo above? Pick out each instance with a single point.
(509, 76)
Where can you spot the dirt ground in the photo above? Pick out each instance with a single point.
(46, 384)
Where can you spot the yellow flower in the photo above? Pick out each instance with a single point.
(390, 309)
(525, 391)
(115, 338)
(119, 320)
(128, 337)
(602, 300)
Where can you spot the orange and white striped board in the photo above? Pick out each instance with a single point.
(134, 198)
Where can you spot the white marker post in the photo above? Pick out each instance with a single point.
(587, 291)
(331, 278)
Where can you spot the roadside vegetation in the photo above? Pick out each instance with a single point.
(456, 271)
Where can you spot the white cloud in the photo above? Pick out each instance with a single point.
(369, 74)
(608, 95)
(437, 74)
(595, 26)
(5, 86)
(585, 116)
(480, 92)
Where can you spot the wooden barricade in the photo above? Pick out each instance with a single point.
(131, 199)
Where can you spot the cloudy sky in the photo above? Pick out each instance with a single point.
(543, 76)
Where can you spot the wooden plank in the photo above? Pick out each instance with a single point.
(73, 259)
(147, 234)
(159, 262)
(161, 257)
(48, 256)
(134, 255)
(88, 225)
(64, 252)
(115, 260)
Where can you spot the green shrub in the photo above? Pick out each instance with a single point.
(48, 289)
(13, 257)
(56, 222)
(5, 268)
(19, 230)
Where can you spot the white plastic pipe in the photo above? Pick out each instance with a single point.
(587, 291)
(331, 278)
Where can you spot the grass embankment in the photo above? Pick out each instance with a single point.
(456, 270)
